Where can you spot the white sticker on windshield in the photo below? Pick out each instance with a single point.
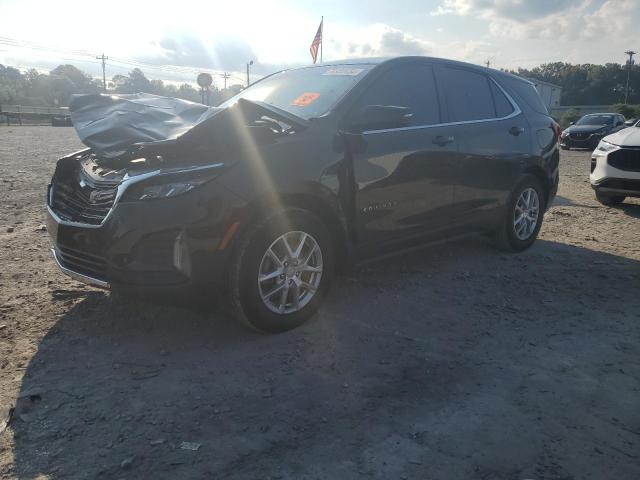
(347, 72)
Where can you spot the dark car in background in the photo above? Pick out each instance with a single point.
(303, 173)
(590, 129)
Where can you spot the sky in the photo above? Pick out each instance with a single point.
(174, 41)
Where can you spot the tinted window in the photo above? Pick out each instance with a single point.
(527, 92)
(467, 94)
(503, 105)
(410, 86)
(596, 119)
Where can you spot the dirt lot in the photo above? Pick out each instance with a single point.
(453, 362)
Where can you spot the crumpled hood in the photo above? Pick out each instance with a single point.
(628, 137)
(111, 124)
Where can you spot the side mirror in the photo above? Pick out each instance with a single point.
(380, 117)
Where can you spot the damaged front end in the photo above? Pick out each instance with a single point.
(141, 205)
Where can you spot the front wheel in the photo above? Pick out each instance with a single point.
(523, 218)
(281, 271)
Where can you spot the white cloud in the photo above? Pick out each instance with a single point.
(377, 40)
(549, 19)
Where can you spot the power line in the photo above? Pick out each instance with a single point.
(114, 61)
(631, 53)
(104, 76)
(225, 75)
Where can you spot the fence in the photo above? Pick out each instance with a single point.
(57, 115)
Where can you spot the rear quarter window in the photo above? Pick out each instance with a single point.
(527, 92)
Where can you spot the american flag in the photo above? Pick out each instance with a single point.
(317, 42)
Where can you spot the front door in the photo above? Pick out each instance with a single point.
(404, 176)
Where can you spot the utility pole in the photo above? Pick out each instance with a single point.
(488, 63)
(104, 76)
(631, 53)
(225, 75)
(248, 65)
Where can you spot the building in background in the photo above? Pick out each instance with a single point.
(549, 92)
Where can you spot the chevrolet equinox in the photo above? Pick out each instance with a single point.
(262, 199)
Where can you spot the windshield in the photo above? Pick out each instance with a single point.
(595, 120)
(305, 92)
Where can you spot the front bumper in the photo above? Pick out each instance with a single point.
(151, 244)
(609, 180)
(95, 282)
(589, 142)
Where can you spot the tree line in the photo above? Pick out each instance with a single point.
(583, 84)
(33, 88)
(588, 84)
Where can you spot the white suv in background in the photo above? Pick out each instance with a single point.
(615, 166)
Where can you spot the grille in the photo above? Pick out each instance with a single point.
(79, 199)
(579, 136)
(82, 262)
(625, 159)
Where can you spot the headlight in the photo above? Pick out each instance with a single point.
(564, 134)
(167, 190)
(606, 146)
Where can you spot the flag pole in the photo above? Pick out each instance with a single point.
(321, 36)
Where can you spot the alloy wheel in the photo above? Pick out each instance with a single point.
(525, 215)
(290, 272)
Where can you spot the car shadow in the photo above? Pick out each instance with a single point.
(420, 365)
(560, 201)
(631, 209)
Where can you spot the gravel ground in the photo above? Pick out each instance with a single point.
(456, 361)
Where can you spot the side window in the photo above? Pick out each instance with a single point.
(410, 86)
(527, 92)
(503, 105)
(467, 94)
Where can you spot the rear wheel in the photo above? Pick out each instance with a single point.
(609, 199)
(281, 271)
(524, 215)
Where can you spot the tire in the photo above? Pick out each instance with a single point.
(508, 237)
(609, 199)
(251, 260)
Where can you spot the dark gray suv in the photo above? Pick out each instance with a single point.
(262, 199)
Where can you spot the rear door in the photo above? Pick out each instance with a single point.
(493, 137)
(404, 175)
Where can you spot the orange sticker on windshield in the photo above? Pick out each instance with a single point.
(305, 99)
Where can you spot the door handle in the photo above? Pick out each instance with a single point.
(441, 140)
(515, 131)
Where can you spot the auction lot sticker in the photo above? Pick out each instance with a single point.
(305, 99)
(343, 71)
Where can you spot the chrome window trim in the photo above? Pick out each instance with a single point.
(516, 111)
